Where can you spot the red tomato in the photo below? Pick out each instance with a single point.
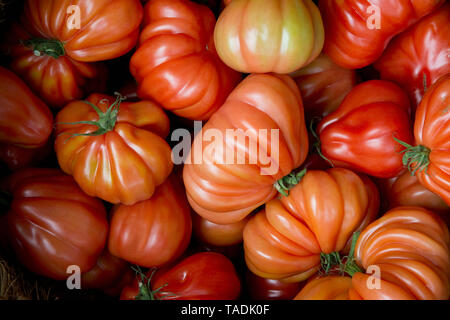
(420, 56)
(269, 36)
(429, 159)
(360, 134)
(270, 289)
(323, 86)
(121, 158)
(25, 121)
(17, 158)
(153, 232)
(353, 40)
(176, 63)
(227, 193)
(202, 276)
(52, 224)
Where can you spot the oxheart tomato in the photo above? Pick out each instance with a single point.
(176, 63)
(52, 224)
(202, 276)
(153, 232)
(358, 31)
(409, 246)
(419, 56)
(52, 47)
(429, 158)
(25, 121)
(115, 150)
(256, 138)
(254, 36)
(18, 157)
(360, 134)
(323, 85)
(292, 237)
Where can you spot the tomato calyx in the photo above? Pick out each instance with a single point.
(332, 263)
(106, 120)
(145, 291)
(415, 158)
(50, 47)
(288, 182)
(317, 145)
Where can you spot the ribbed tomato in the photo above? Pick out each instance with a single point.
(294, 235)
(176, 63)
(429, 158)
(278, 36)
(360, 134)
(358, 31)
(419, 56)
(263, 112)
(115, 150)
(407, 251)
(153, 232)
(52, 224)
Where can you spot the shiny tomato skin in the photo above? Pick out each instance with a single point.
(259, 288)
(351, 43)
(323, 85)
(419, 56)
(25, 121)
(124, 165)
(432, 130)
(227, 194)
(154, 232)
(176, 63)
(52, 224)
(269, 36)
(359, 135)
(320, 214)
(202, 276)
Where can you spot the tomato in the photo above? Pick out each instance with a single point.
(269, 289)
(420, 56)
(406, 190)
(202, 276)
(122, 156)
(429, 159)
(17, 157)
(218, 234)
(323, 86)
(25, 121)
(176, 63)
(108, 272)
(254, 36)
(153, 232)
(290, 236)
(353, 38)
(410, 248)
(264, 105)
(361, 133)
(53, 224)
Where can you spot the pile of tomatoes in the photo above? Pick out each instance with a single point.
(356, 205)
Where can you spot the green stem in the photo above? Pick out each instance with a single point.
(318, 145)
(288, 182)
(145, 291)
(415, 158)
(50, 47)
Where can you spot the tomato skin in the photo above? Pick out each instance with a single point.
(227, 194)
(421, 51)
(360, 134)
(153, 232)
(202, 276)
(432, 116)
(320, 214)
(326, 288)
(262, 37)
(123, 165)
(323, 86)
(52, 224)
(25, 121)
(269, 289)
(176, 63)
(349, 41)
